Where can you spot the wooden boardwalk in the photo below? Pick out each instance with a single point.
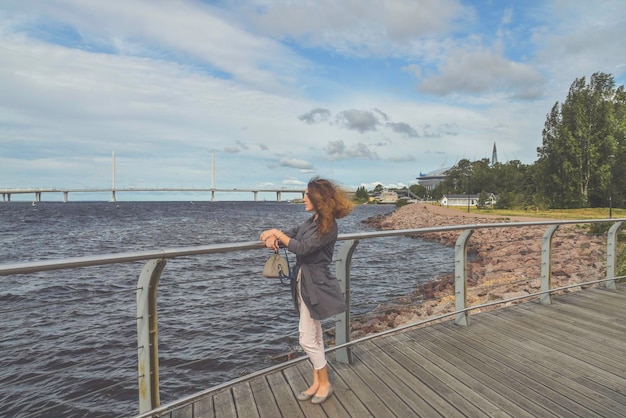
(567, 359)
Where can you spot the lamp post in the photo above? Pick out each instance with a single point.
(469, 176)
(610, 186)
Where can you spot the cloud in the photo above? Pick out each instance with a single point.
(413, 69)
(382, 114)
(479, 72)
(214, 41)
(295, 163)
(315, 116)
(358, 120)
(337, 150)
(438, 131)
(294, 182)
(402, 158)
(357, 28)
(242, 145)
(361, 121)
(403, 128)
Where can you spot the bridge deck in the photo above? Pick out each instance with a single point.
(527, 360)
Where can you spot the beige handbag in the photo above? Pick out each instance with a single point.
(276, 267)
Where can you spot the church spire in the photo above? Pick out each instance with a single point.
(494, 155)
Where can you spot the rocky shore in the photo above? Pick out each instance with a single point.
(505, 262)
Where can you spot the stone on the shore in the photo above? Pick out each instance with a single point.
(506, 262)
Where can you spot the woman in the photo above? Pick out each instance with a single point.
(316, 293)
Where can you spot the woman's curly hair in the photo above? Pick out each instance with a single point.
(329, 201)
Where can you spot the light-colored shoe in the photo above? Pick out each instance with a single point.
(303, 396)
(319, 399)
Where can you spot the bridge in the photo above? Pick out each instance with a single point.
(38, 192)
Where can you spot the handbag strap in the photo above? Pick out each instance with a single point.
(290, 274)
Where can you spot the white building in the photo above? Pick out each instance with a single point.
(464, 200)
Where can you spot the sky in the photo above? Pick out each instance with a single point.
(270, 93)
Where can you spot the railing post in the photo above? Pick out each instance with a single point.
(546, 265)
(611, 255)
(147, 335)
(460, 277)
(342, 321)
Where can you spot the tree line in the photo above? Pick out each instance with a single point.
(580, 161)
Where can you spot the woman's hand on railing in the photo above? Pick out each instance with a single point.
(270, 238)
(272, 243)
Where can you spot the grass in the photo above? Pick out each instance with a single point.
(586, 213)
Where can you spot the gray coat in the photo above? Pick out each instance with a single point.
(319, 288)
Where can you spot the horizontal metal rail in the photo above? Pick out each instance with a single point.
(169, 253)
(147, 329)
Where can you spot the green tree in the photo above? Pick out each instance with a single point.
(482, 200)
(378, 189)
(361, 194)
(506, 200)
(419, 190)
(617, 170)
(458, 179)
(578, 138)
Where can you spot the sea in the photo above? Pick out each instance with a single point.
(68, 344)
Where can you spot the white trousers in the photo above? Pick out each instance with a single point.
(311, 337)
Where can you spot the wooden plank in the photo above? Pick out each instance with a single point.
(581, 350)
(345, 395)
(288, 405)
(352, 376)
(595, 313)
(183, 412)
(528, 357)
(370, 375)
(436, 394)
(439, 383)
(264, 398)
(224, 404)
(405, 385)
(561, 325)
(438, 358)
(566, 396)
(555, 354)
(600, 304)
(203, 408)
(486, 374)
(615, 295)
(333, 406)
(298, 383)
(244, 400)
(508, 374)
(605, 322)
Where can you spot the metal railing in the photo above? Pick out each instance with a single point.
(147, 323)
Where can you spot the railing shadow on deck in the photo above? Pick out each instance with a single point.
(147, 323)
